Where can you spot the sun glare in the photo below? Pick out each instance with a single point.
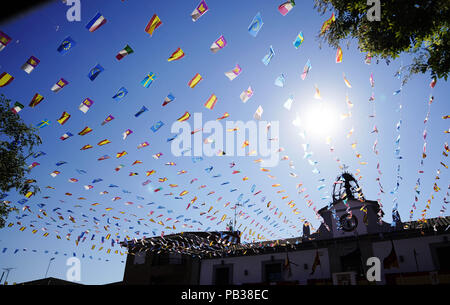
(321, 119)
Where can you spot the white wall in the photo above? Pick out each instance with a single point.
(254, 266)
(405, 248)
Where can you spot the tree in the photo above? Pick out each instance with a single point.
(416, 27)
(17, 141)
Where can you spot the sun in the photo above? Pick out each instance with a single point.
(321, 119)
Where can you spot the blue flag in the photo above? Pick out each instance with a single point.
(298, 40)
(120, 94)
(157, 126)
(143, 109)
(66, 45)
(256, 25)
(266, 60)
(95, 72)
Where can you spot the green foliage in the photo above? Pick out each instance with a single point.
(17, 141)
(417, 27)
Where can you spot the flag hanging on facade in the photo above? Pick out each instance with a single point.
(201, 9)
(315, 263)
(391, 260)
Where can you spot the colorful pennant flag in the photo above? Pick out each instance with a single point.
(5, 79)
(64, 118)
(96, 22)
(66, 45)
(178, 54)
(201, 9)
(256, 25)
(266, 59)
(195, 80)
(153, 24)
(219, 44)
(95, 72)
(148, 80)
(59, 85)
(233, 73)
(286, 7)
(85, 105)
(31, 63)
(211, 102)
(246, 94)
(124, 52)
(37, 98)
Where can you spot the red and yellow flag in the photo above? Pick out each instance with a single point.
(195, 80)
(178, 54)
(211, 102)
(339, 55)
(37, 98)
(184, 117)
(86, 130)
(121, 154)
(64, 117)
(153, 24)
(103, 142)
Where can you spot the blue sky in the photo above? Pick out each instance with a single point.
(40, 32)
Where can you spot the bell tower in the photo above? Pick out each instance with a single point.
(350, 213)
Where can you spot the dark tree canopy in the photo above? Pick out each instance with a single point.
(417, 27)
(17, 141)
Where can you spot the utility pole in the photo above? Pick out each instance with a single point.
(48, 267)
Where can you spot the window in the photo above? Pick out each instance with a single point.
(273, 272)
(443, 253)
(222, 274)
(139, 258)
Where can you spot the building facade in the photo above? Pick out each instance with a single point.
(341, 251)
